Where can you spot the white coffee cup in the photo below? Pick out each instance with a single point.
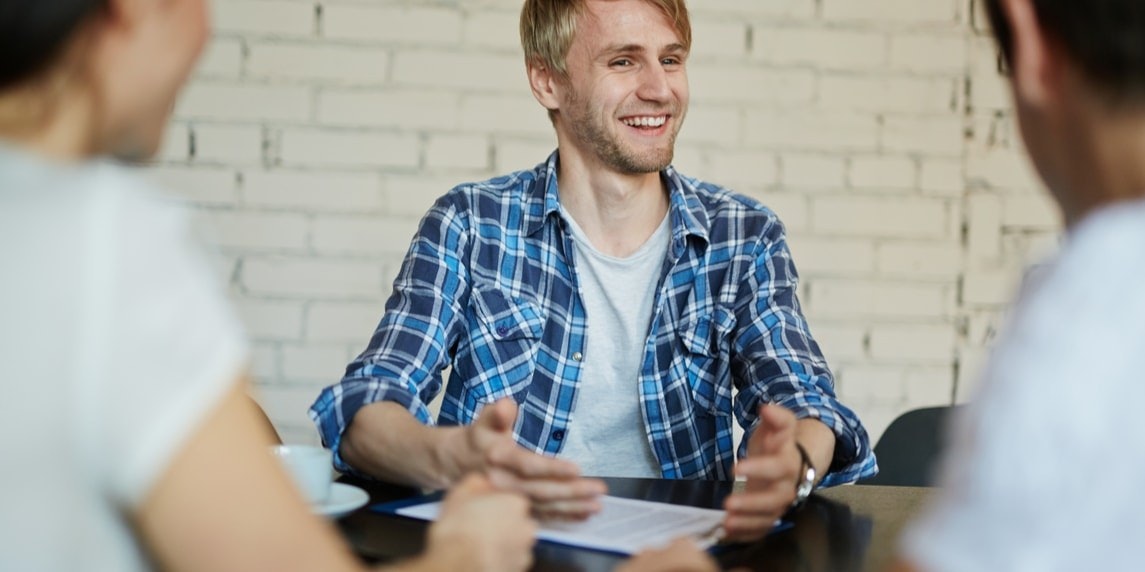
(310, 467)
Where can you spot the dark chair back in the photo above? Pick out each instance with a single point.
(910, 448)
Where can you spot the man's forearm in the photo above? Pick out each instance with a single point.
(385, 441)
(819, 441)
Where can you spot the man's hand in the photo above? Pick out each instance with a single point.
(681, 556)
(554, 486)
(772, 469)
(481, 529)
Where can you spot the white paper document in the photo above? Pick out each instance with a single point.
(624, 525)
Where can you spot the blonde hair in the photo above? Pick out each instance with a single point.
(548, 28)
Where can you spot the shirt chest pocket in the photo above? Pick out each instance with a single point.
(504, 318)
(706, 343)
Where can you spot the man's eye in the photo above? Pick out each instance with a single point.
(670, 61)
(623, 62)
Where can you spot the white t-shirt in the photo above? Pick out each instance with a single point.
(607, 436)
(1047, 467)
(114, 346)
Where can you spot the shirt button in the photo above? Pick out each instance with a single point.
(559, 434)
(502, 330)
(578, 356)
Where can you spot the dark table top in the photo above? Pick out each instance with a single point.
(843, 528)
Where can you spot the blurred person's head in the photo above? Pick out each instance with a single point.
(82, 78)
(1077, 73)
(611, 73)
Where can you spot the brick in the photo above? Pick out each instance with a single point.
(457, 152)
(922, 260)
(913, 343)
(711, 125)
(929, 53)
(264, 361)
(257, 231)
(346, 322)
(718, 39)
(228, 144)
(406, 109)
(312, 191)
(786, 9)
(362, 235)
(267, 320)
(841, 341)
(832, 257)
(318, 63)
(900, 387)
(988, 287)
(467, 71)
(198, 185)
(811, 131)
(493, 30)
(413, 195)
(888, 94)
(942, 177)
(691, 160)
(1001, 168)
(406, 25)
(791, 208)
(324, 363)
(848, 298)
(176, 144)
(264, 18)
(516, 154)
(819, 172)
(244, 102)
(883, 173)
(311, 278)
(971, 367)
(983, 227)
(287, 407)
(892, 217)
(930, 135)
(1029, 249)
(743, 169)
(222, 58)
(505, 114)
(750, 84)
(1032, 211)
(822, 48)
(329, 148)
(893, 11)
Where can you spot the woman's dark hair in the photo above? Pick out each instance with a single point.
(33, 32)
(1105, 37)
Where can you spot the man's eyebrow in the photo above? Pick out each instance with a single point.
(639, 49)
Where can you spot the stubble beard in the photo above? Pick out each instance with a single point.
(608, 146)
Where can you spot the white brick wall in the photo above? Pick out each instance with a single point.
(317, 132)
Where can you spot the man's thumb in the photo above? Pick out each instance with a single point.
(499, 416)
(776, 427)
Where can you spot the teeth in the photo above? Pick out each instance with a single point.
(646, 121)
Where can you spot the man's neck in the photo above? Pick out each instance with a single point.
(1107, 165)
(59, 128)
(618, 212)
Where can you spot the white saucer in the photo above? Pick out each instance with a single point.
(343, 500)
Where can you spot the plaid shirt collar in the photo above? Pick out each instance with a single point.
(689, 218)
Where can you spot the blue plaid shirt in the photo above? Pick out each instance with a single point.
(489, 287)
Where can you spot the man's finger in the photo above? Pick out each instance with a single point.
(529, 465)
(773, 503)
(498, 416)
(765, 469)
(776, 428)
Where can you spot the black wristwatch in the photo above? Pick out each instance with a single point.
(806, 482)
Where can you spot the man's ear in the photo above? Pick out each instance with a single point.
(1038, 61)
(545, 85)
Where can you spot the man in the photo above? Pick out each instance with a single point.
(1045, 470)
(599, 310)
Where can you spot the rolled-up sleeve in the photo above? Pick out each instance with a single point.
(411, 346)
(777, 361)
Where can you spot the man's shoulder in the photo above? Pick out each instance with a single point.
(496, 192)
(724, 206)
